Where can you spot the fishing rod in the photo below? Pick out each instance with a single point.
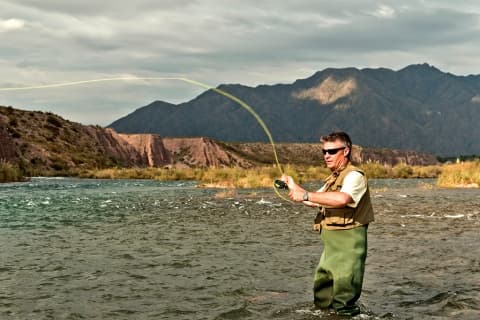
(278, 184)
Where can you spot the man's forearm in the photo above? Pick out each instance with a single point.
(333, 199)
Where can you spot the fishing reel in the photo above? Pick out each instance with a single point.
(279, 184)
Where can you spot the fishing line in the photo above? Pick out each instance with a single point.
(242, 103)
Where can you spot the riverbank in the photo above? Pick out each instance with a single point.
(257, 177)
(451, 175)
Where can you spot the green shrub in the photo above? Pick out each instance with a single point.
(426, 171)
(13, 122)
(9, 172)
(58, 164)
(14, 133)
(375, 170)
(54, 120)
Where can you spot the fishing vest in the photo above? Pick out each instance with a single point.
(346, 217)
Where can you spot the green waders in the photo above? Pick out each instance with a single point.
(339, 275)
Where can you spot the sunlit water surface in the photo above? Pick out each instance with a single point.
(130, 249)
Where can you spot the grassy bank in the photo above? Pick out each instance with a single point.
(465, 174)
(375, 170)
(213, 177)
(256, 177)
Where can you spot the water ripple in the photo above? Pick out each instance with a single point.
(95, 249)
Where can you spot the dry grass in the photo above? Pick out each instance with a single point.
(213, 177)
(400, 171)
(258, 177)
(465, 174)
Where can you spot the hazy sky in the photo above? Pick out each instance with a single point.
(215, 42)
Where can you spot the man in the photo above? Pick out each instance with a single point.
(345, 212)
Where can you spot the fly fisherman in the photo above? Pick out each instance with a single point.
(343, 218)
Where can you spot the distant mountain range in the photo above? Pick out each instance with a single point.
(416, 108)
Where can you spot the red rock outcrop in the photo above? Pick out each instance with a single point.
(202, 152)
(154, 151)
(149, 146)
(113, 145)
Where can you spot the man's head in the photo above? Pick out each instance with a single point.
(336, 149)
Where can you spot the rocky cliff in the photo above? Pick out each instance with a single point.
(203, 152)
(150, 147)
(116, 147)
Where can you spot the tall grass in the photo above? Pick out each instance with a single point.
(376, 170)
(465, 174)
(143, 173)
(10, 172)
(449, 175)
(256, 177)
(222, 177)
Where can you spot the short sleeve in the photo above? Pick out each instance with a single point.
(354, 184)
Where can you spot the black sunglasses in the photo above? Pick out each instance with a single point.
(332, 151)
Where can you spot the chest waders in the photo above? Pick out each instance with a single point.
(338, 277)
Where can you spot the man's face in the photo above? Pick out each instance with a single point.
(338, 158)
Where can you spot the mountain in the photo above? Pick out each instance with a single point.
(416, 108)
(41, 143)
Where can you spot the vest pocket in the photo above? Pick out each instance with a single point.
(339, 216)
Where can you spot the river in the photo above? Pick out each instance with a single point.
(137, 249)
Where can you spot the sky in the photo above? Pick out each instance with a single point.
(215, 42)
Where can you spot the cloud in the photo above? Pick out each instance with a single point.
(384, 11)
(11, 25)
(249, 42)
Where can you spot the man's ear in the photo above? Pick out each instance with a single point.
(346, 151)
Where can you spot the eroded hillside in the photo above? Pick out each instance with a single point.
(43, 143)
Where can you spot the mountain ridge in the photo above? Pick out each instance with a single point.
(418, 107)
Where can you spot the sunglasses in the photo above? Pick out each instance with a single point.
(332, 151)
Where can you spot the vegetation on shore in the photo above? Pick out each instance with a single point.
(259, 176)
(463, 174)
(214, 177)
(375, 170)
(10, 172)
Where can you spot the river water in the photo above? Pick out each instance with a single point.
(130, 249)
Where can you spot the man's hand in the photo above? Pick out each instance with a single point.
(295, 191)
